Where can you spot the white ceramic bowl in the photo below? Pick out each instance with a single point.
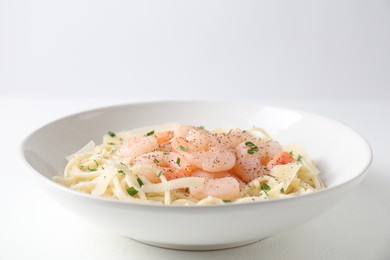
(341, 154)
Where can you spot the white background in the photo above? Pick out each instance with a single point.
(173, 49)
(60, 57)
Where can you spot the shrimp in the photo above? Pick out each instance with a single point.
(214, 159)
(180, 130)
(164, 140)
(233, 138)
(164, 137)
(279, 159)
(226, 188)
(198, 138)
(210, 175)
(139, 145)
(252, 158)
(136, 146)
(173, 165)
(217, 175)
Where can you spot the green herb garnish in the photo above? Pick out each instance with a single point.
(140, 182)
(92, 170)
(253, 150)
(111, 143)
(160, 173)
(110, 133)
(132, 191)
(250, 144)
(96, 163)
(121, 172)
(299, 159)
(281, 190)
(155, 161)
(178, 161)
(150, 133)
(182, 148)
(291, 153)
(265, 187)
(227, 201)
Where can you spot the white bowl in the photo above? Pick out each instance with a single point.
(342, 155)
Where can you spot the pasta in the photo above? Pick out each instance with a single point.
(177, 164)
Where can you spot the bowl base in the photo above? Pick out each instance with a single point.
(198, 247)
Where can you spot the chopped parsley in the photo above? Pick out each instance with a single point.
(281, 190)
(165, 153)
(111, 133)
(299, 159)
(291, 153)
(250, 144)
(150, 133)
(111, 143)
(252, 150)
(124, 165)
(201, 127)
(155, 161)
(92, 170)
(160, 173)
(178, 161)
(121, 172)
(252, 147)
(230, 131)
(140, 182)
(265, 187)
(96, 163)
(132, 191)
(182, 148)
(227, 201)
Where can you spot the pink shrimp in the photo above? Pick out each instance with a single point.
(214, 159)
(279, 159)
(180, 130)
(164, 137)
(217, 175)
(136, 146)
(210, 175)
(139, 145)
(173, 165)
(252, 158)
(233, 138)
(226, 188)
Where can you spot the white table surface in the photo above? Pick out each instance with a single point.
(33, 226)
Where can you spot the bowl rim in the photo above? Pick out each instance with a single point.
(350, 182)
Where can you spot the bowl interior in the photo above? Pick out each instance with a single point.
(341, 154)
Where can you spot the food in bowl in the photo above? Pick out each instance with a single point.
(177, 164)
(341, 154)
